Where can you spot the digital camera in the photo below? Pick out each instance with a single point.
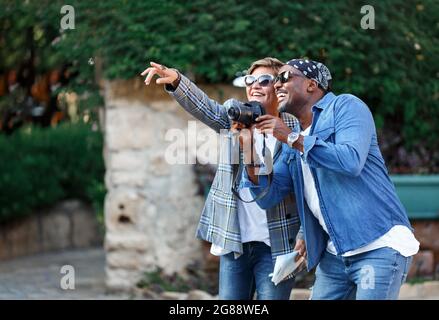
(246, 113)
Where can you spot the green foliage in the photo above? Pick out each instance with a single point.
(394, 68)
(158, 281)
(39, 167)
(195, 277)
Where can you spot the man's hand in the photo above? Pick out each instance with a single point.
(301, 247)
(274, 125)
(166, 75)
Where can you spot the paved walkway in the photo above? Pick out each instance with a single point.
(39, 276)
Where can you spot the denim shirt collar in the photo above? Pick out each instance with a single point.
(324, 101)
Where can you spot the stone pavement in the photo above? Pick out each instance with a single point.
(39, 276)
(428, 290)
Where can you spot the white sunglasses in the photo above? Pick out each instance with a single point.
(263, 79)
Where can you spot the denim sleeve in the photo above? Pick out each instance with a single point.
(354, 128)
(280, 186)
(199, 105)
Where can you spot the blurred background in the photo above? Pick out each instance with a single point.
(83, 180)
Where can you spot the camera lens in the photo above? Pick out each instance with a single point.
(233, 113)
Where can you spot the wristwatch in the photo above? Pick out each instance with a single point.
(292, 137)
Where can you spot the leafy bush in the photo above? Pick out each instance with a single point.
(394, 68)
(41, 166)
(195, 278)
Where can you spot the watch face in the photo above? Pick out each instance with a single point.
(292, 137)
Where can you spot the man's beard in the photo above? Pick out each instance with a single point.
(288, 107)
(282, 107)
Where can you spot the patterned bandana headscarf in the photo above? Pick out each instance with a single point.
(313, 70)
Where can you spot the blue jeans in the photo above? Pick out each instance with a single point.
(373, 275)
(240, 278)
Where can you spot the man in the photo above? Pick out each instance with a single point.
(247, 238)
(356, 230)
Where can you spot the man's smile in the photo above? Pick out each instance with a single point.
(280, 93)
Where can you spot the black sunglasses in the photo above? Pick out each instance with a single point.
(263, 80)
(283, 77)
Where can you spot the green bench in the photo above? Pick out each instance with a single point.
(419, 195)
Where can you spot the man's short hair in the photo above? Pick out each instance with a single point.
(267, 62)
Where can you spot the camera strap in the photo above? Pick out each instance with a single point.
(237, 176)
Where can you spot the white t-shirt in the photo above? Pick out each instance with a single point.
(252, 219)
(398, 237)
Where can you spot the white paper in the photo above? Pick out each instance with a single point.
(285, 265)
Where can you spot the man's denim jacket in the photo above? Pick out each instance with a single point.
(358, 201)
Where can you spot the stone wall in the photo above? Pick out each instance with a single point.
(152, 208)
(69, 224)
(426, 262)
